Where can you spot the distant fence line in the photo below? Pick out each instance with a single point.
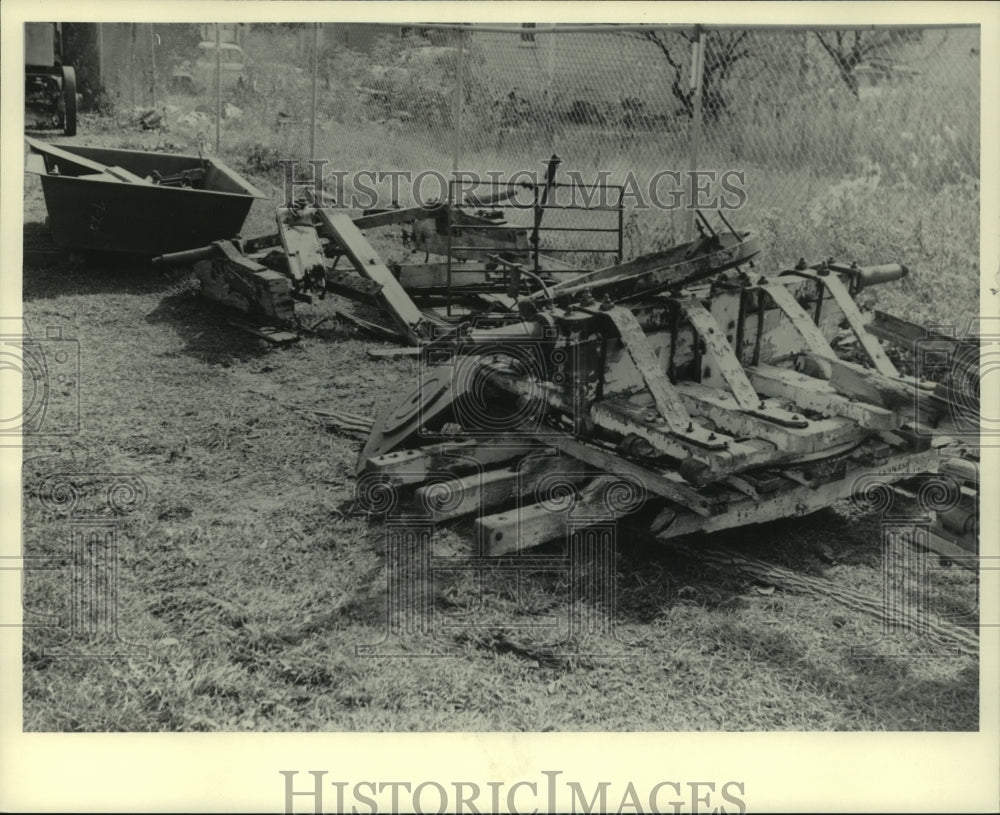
(799, 108)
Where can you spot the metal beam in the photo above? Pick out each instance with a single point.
(876, 353)
(803, 323)
(810, 393)
(365, 259)
(721, 353)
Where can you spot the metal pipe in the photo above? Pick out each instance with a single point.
(456, 148)
(875, 275)
(459, 94)
(218, 88)
(100, 56)
(621, 228)
(152, 64)
(697, 75)
(315, 66)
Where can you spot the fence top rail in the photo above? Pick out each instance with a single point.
(686, 28)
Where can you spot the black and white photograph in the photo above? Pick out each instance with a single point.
(467, 369)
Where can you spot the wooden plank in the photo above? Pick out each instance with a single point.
(392, 216)
(393, 353)
(900, 332)
(276, 336)
(435, 275)
(485, 234)
(618, 416)
(372, 328)
(719, 456)
(668, 403)
(809, 393)
(367, 262)
(352, 286)
(658, 483)
(815, 436)
(799, 500)
(479, 491)
(416, 465)
(526, 527)
(720, 353)
(490, 299)
(952, 549)
(866, 385)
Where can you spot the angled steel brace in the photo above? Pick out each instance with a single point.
(668, 401)
(876, 353)
(811, 335)
(366, 261)
(729, 367)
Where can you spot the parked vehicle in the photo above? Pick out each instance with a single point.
(198, 75)
(49, 84)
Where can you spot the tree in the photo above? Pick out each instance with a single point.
(723, 50)
(848, 49)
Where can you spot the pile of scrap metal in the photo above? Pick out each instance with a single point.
(483, 263)
(953, 364)
(680, 387)
(263, 276)
(691, 396)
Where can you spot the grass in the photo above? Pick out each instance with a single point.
(248, 576)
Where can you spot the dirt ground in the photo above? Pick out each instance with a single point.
(248, 577)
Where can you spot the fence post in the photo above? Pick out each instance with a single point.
(100, 56)
(459, 95)
(152, 65)
(218, 88)
(312, 115)
(456, 149)
(697, 75)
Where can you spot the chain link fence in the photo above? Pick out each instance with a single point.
(861, 143)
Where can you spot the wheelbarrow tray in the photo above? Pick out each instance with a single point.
(92, 210)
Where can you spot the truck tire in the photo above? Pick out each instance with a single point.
(69, 100)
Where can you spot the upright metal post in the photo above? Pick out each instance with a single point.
(133, 65)
(100, 56)
(459, 93)
(456, 150)
(315, 66)
(697, 75)
(218, 88)
(152, 64)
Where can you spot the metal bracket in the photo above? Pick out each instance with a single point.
(306, 261)
(731, 370)
(876, 353)
(801, 321)
(366, 261)
(667, 399)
